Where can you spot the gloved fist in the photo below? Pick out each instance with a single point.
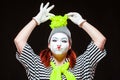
(75, 18)
(44, 14)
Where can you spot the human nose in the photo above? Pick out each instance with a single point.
(58, 44)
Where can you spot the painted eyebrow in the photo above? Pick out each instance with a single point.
(64, 38)
(54, 38)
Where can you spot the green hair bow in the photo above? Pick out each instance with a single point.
(58, 21)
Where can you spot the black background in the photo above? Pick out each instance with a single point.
(103, 15)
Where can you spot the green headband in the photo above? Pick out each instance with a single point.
(58, 21)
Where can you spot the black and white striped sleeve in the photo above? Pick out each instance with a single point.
(94, 54)
(27, 56)
(87, 62)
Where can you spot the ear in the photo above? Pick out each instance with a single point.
(69, 46)
(49, 45)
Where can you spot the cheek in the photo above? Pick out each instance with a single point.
(66, 46)
(52, 45)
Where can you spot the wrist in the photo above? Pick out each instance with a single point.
(81, 24)
(35, 22)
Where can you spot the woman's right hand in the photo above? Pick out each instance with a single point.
(44, 14)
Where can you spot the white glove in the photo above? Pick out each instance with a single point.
(75, 18)
(44, 14)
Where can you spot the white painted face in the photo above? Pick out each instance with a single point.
(59, 43)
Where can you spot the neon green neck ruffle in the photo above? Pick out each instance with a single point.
(59, 70)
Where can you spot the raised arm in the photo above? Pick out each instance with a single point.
(97, 37)
(22, 37)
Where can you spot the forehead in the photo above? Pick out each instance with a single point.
(59, 35)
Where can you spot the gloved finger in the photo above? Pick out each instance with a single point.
(70, 18)
(50, 8)
(47, 18)
(46, 5)
(50, 14)
(70, 14)
(41, 6)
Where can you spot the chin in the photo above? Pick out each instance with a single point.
(60, 55)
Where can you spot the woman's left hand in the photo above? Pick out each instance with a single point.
(75, 18)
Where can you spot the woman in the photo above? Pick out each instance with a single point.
(59, 61)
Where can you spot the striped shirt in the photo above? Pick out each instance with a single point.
(84, 68)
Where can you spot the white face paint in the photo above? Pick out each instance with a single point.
(59, 43)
